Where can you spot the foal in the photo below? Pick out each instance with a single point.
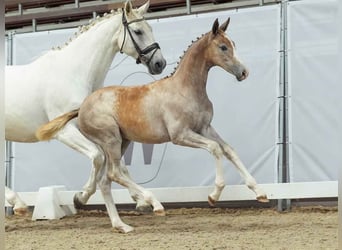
(175, 109)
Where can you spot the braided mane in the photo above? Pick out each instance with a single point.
(184, 52)
(92, 22)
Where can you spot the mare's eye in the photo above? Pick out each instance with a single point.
(138, 32)
(223, 47)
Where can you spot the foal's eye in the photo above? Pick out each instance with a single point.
(138, 32)
(223, 47)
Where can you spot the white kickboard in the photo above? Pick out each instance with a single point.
(48, 206)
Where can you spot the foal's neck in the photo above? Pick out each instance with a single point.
(194, 67)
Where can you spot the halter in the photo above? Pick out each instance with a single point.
(141, 53)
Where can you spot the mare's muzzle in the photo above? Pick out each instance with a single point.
(142, 57)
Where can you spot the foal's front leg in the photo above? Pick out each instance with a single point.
(233, 157)
(192, 139)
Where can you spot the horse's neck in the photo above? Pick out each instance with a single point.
(91, 53)
(192, 72)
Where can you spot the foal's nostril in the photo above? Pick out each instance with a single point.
(244, 74)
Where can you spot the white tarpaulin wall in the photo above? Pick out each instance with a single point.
(246, 114)
(315, 91)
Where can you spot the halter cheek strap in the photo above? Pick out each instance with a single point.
(141, 53)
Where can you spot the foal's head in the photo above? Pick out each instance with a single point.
(136, 39)
(222, 51)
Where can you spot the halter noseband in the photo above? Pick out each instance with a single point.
(141, 53)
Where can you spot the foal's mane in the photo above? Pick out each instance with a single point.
(92, 22)
(185, 52)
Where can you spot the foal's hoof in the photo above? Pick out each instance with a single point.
(263, 198)
(144, 209)
(21, 211)
(211, 201)
(124, 229)
(159, 212)
(77, 203)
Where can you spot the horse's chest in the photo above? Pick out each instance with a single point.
(200, 116)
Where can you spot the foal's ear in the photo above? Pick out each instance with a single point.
(224, 26)
(143, 9)
(128, 7)
(215, 27)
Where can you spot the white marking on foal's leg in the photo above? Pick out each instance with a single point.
(138, 193)
(219, 179)
(249, 179)
(117, 223)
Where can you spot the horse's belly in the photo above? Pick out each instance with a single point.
(145, 134)
(22, 128)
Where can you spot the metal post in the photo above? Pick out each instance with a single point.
(188, 7)
(9, 146)
(34, 25)
(20, 9)
(283, 163)
(77, 3)
(261, 2)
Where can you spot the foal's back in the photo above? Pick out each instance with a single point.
(131, 113)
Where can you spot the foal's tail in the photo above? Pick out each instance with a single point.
(48, 130)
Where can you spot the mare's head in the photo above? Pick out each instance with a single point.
(136, 39)
(222, 51)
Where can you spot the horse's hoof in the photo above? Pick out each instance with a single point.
(211, 201)
(124, 229)
(159, 212)
(21, 211)
(144, 209)
(77, 203)
(263, 198)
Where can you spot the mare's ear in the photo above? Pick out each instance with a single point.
(143, 9)
(225, 24)
(128, 7)
(215, 27)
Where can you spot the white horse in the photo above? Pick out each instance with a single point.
(59, 81)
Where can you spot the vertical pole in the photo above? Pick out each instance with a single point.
(188, 7)
(283, 163)
(20, 9)
(77, 3)
(9, 145)
(34, 25)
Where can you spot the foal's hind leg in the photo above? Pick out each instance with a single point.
(116, 172)
(142, 205)
(233, 157)
(105, 186)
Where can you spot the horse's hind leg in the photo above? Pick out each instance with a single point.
(105, 186)
(142, 205)
(19, 206)
(72, 137)
(118, 172)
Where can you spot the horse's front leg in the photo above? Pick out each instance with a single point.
(234, 158)
(192, 139)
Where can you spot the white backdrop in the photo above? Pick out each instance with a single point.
(245, 113)
(315, 90)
